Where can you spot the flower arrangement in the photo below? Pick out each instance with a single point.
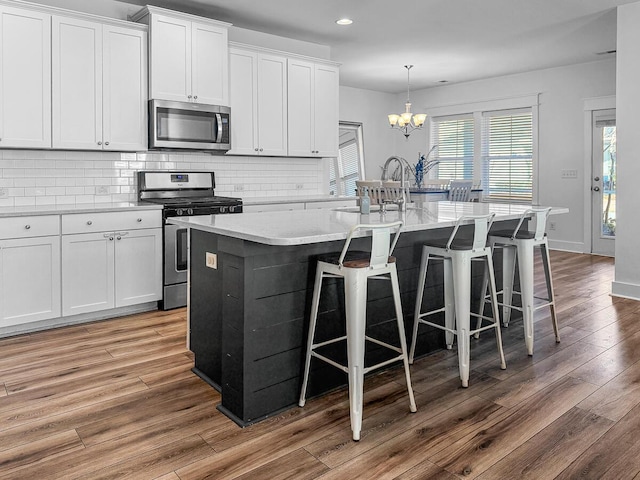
(423, 166)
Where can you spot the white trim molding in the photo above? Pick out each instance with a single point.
(625, 290)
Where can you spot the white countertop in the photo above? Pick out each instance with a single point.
(299, 227)
(75, 208)
(301, 199)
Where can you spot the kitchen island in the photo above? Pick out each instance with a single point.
(251, 280)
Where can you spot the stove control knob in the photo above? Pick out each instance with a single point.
(232, 209)
(189, 211)
(179, 212)
(223, 209)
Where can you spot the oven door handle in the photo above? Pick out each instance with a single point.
(219, 124)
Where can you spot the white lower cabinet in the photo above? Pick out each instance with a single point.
(110, 260)
(110, 269)
(29, 279)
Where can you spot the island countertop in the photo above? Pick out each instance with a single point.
(300, 227)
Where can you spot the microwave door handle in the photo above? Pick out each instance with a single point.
(219, 122)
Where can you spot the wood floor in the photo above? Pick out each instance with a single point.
(117, 399)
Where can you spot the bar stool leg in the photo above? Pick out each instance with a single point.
(494, 309)
(508, 276)
(483, 293)
(462, 287)
(450, 293)
(401, 333)
(525, 266)
(546, 263)
(315, 302)
(422, 279)
(355, 300)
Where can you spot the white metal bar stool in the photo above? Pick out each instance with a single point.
(519, 244)
(457, 254)
(356, 268)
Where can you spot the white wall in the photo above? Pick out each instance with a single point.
(561, 130)
(627, 273)
(371, 109)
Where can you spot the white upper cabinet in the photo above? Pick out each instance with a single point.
(124, 88)
(77, 84)
(258, 97)
(99, 86)
(25, 78)
(209, 64)
(312, 109)
(189, 57)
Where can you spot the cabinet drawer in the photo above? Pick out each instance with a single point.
(34, 226)
(110, 221)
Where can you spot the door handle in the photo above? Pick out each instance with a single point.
(596, 189)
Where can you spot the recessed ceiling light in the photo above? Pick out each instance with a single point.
(344, 21)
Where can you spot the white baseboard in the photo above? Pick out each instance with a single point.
(574, 247)
(625, 290)
(76, 319)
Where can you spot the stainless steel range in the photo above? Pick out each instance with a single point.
(181, 193)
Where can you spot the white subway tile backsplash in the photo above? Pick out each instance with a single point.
(44, 177)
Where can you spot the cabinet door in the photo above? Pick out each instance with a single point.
(326, 116)
(77, 84)
(243, 91)
(25, 78)
(87, 272)
(170, 77)
(272, 105)
(29, 280)
(300, 108)
(124, 88)
(210, 64)
(138, 266)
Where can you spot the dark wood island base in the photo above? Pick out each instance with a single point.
(249, 316)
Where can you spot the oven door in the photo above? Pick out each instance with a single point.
(175, 254)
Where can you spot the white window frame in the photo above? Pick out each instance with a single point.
(476, 109)
(340, 179)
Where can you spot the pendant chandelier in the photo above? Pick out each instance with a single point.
(407, 122)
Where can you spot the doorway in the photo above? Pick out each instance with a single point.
(603, 183)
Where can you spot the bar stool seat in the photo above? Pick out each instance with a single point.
(519, 244)
(356, 268)
(458, 253)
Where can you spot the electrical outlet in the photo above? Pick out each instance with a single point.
(552, 225)
(238, 187)
(299, 186)
(211, 260)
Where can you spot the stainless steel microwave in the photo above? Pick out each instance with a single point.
(185, 125)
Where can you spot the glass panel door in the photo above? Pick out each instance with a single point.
(603, 183)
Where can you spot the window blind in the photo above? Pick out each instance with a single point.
(507, 155)
(454, 138)
(345, 170)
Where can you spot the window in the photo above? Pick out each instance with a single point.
(507, 155)
(349, 165)
(454, 139)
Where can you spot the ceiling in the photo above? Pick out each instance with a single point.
(445, 40)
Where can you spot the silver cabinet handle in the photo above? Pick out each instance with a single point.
(119, 237)
(261, 149)
(195, 97)
(139, 220)
(256, 149)
(99, 143)
(89, 222)
(189, 96)
(106, 143)
(111, 239)
(27, 227)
